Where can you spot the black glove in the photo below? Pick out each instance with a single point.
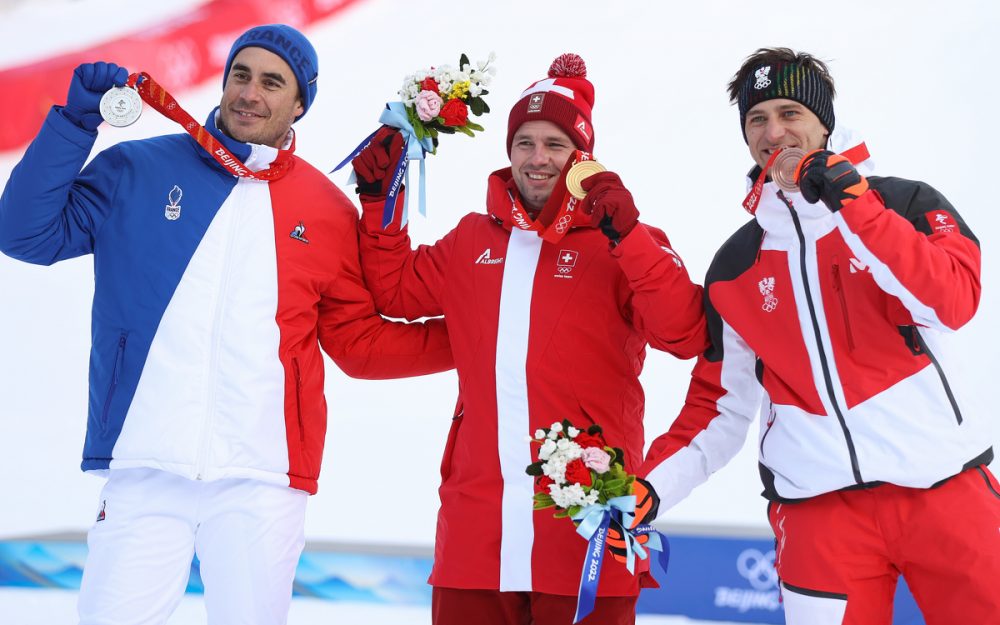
(647, 504)
(90, 82)
(823, 175)
(610, 205)
(376, 162)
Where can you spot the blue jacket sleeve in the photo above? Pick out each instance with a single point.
(50, 210)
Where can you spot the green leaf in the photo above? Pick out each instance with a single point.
(573, 510)
(535, 469)
(476, 106)
(561, 514)
(473, 126)
(594, 429)
(543, 500)
(465, 130)
(484, 92)
(486, 107)
(615, 485)
(463, 61)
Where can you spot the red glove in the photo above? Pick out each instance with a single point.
(377, 161)
(823, 175)
(647, 503)
(610, 204)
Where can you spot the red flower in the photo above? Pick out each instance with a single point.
(429, 84)
(542, 484)
(455, 113)
(589, 440)
(578, 473)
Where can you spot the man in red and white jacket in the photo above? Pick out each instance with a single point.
(546, 323)
(831, 314)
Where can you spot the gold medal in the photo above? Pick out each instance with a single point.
(577, 173)
(783, 169)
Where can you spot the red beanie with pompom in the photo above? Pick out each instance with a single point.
(565, 98)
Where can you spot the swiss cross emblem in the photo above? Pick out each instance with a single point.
(941, 221)
(582, 127)
(565, 262)
(535, 103)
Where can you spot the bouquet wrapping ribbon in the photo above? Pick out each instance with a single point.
(415, 149)
(594, 522)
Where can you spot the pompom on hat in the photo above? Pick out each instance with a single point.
(293, 48)
(565, 98)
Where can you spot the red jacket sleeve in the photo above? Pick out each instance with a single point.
(360, 341)
(405, 283)
(665, 306)
(920, 250)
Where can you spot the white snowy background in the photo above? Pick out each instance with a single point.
(917, 78)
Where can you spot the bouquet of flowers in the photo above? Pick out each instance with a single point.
(576, 469)
(439, 99)
(584, 479)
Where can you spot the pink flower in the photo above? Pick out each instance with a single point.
(428, 104)
(596, 459)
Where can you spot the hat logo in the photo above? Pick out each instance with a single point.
(581, 127)
(761, 75)
(535, 103)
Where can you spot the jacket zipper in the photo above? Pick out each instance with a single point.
(918, 340)
(119, 363)
(298, 399)
(827, 377)
(838, 287)
(215, 340)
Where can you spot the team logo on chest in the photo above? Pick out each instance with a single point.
(565, 262)
(172, 211)
(299, 233)
(766, 287)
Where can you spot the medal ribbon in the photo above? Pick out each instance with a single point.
(157, 97)
(855, 155)
(563, 220)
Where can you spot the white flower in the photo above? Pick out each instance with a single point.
(546, 451)
(574, 495)
(556, 427)
(539, 433)
(572, 431)
(553, 435)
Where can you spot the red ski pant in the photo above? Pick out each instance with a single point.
(839, 555)
(461, 606)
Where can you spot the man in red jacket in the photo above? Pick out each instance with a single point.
(549, 316)
(831, 314)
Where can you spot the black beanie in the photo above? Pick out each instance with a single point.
(790, 81)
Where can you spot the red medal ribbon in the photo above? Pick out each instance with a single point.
(855, 155)
(567, 205)
(157, 97)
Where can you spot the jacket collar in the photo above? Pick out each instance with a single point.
(501, 193)
(256, 157)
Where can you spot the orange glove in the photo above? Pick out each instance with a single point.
(647, 503)
(823, 175)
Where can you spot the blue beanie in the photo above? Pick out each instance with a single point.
(292, 46)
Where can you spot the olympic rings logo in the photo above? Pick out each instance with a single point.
(563, 223)
(758, 569)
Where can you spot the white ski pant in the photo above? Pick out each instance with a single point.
(248, 537)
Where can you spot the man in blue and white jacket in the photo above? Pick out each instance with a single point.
(213, 295)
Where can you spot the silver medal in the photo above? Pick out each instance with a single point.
(121, 106)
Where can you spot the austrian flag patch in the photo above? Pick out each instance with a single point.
(941, 221)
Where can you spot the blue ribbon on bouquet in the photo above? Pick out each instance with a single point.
(594, 522)
(415, 149)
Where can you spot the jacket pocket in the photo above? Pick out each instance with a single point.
(449, 447)
(772, 416)
(298, 399)
(115, 372)
(838, 288)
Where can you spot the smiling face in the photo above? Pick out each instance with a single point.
(260, 99)
(781, 123)
(538, 153)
